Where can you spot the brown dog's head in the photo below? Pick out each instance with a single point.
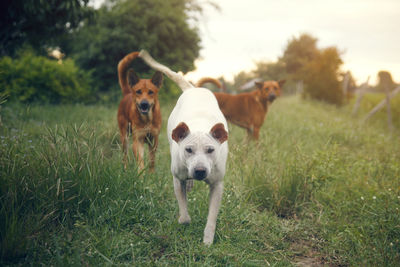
(270, 90)
(144, 91)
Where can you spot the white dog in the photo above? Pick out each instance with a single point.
(197, 134)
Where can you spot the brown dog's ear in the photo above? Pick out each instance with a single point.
(259, 85)
(132, 78)
(157, 79)
(219, 133)
(180, 132)
(281, 83)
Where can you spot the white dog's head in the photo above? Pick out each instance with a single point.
(198, 151)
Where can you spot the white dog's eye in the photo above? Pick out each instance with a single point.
(210, 150)
(189, 150)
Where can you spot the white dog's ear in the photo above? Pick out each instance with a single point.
(219, 133)
(180, 132)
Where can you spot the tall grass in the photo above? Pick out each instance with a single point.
(317, 186)
(317, 163)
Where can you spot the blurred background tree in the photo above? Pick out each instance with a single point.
(270, 70)
(298, 53)
(38, 23)
(317, 68)
(264, 70)
(321, 77)
(29, 77)
(302, 61)
(123, 26)
(94, 40)
(350, 83)
(240, 79)
(385, 81)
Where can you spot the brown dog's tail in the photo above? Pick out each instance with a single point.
(209, 80)
(123, 71)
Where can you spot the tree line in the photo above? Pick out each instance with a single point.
(94, 40)
(303, 62)
(316, 69)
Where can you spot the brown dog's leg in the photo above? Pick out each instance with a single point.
(138, 151)
(253, 133)
(124, 142)
(256, 133)
(250, 134)
(153, 144)
(124, 148)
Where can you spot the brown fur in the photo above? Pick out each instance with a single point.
(210, 80)
(138, 93)
(248, 110)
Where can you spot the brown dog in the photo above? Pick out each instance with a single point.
(247, 110)
(139, 109)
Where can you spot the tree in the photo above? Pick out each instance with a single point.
(349, 81)
(30, 78)
(241, 78)
(263, 71)
(298, 53)
(317, 68)
(385, 81)
(270, 70)
(321, 77)
(38, 23)
(122, 26)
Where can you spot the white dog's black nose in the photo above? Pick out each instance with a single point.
(200, 173)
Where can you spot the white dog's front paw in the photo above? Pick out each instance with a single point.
(209, 235)
(208, 240)
(184, 219)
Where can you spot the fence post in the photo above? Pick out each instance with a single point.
(299, 87)
(381, 104)
(360, 94)
(389, 112)
(345, 85)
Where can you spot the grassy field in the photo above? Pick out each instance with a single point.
(317, 189)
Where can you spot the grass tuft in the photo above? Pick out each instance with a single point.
(318, 188)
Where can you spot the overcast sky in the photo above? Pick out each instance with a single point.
(366, 31)
(245, 31)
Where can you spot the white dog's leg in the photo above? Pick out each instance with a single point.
(180, 193)
(215, 202)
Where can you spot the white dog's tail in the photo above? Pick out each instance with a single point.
(176, 77)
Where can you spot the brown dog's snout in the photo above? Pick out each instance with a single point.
(271, 97)
(144, 106)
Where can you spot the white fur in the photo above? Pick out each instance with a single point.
(198, 109)
(176, 77)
